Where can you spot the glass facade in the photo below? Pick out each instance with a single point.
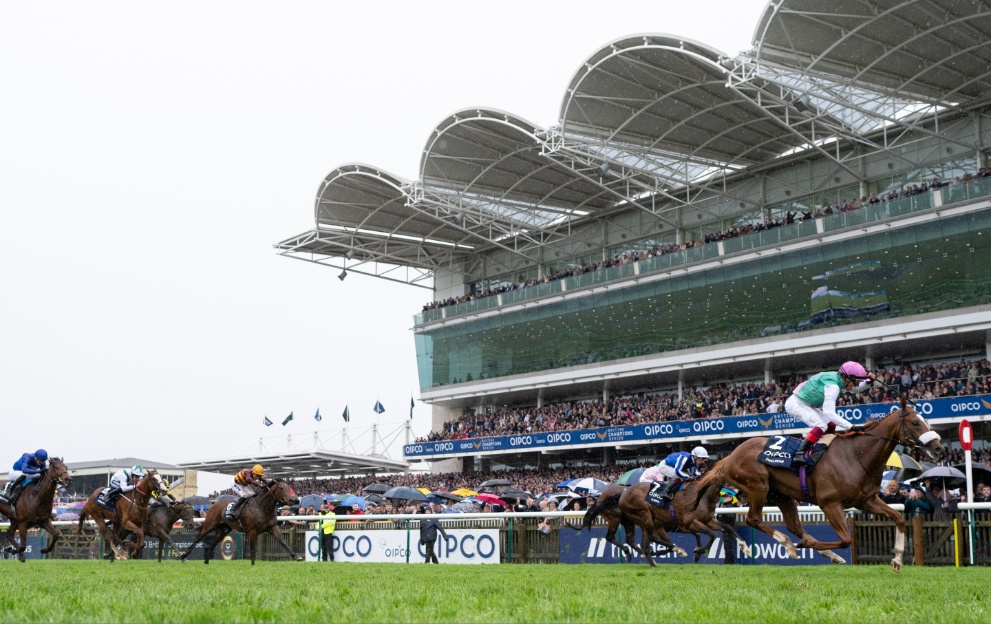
(897, 273)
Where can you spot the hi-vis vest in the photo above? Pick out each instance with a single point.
(329, 523)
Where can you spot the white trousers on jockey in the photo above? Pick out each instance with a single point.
(244, 491)
(13, 475)
(649, 475)
(813, 416)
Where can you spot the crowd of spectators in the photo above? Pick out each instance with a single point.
(827, 208)
(920, 381)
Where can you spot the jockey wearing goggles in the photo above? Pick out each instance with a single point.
(814, 403)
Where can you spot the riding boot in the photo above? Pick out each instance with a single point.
(671, 489)
(236, 509)
(799, 458)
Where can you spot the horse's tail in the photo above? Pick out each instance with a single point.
(605, 504)
(710, 478)
(82, 520)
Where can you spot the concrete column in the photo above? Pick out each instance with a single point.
(605, 455)
(869, 358)
(605, 391)
(540, 398)
(681, 384)
(987, 344)
(768, 370)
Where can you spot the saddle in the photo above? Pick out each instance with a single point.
(780, 450)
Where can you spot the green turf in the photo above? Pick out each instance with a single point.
(145, 591)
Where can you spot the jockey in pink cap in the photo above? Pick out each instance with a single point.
(814, 402)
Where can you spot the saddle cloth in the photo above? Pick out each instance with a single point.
(654, 494)
(779, 451)
(103, 499)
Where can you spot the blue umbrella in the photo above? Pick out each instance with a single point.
(564, 484)
(352, 500)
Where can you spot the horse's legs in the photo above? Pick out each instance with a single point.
(758, 496)
(278, 537)
(630, 531)
(877, 506)
(834, 513)
(697, 528)
(129, 526)
(205, 528)
(222, 532)
(789, 511)
(722, 526)
(22, 531)
(252, 542)
(614, 521)
(108, 537)
(48, 526)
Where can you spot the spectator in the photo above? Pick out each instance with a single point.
(327, 525)
(916, 505)
(893, 495)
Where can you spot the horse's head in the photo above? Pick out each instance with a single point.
(185, 512)
(59, 472)
(153, 481)
(914, 432)
(282, 493)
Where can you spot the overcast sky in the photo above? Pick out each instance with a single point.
(152, 155)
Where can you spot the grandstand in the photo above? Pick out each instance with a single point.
(849, 145)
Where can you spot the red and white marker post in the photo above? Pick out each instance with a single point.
(966, 432)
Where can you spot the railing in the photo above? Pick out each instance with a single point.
(944, 541)
(868, 213)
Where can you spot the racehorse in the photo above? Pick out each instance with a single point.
(257, 517)
(128, 516)
(34, 508)
(683, 515)
(161, 519)
(848, 475)
(610, 513)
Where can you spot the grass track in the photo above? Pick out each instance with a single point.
(144, 591)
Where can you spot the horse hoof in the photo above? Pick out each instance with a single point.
(298, 558)
(896, 566)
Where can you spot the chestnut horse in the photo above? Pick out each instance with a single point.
(161, 518)
(848, 475)
(257, 517)
(129, 515)
(34, 508)
(688, 517)
(610, 513)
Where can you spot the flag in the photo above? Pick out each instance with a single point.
(286, 421)
(411, 404)
(378, 407)
(317, 417)
(347, 417)
(267, 422)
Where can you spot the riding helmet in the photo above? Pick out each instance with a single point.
(853, 369)
(41, 455)
(258, 470)
(698, 451)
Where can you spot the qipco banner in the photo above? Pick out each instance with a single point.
(592, 547)
(461, 546)
(969, 406)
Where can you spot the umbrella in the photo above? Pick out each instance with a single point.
(377, 488)
(405, 493)
(464, 492)
(901, 460)
(375, 499)
(489, 499)
(337, 499)
(977, 469)
(311, 499)
(729, 492)
(423, 490)
(946, 475)
(465, 506)
(446, 495)
(630, 477)
(512, 494)
(495, 483)
(588, 485)
(354, 500)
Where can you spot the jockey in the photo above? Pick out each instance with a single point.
(26, 469)
(678, 467)
(156, 498)
(247, 483)
(124, 481)
(814, 403)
